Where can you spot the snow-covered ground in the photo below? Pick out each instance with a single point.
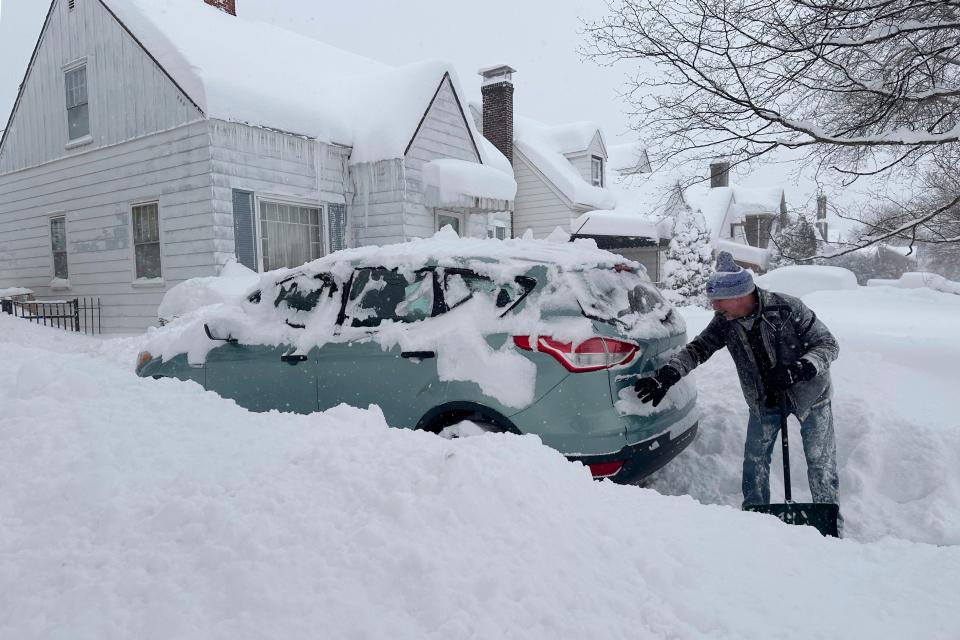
(137, 508)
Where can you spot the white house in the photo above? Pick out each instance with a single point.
(740, 220)
(560, 170)
(151, 142)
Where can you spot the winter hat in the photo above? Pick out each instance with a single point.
(729, 280)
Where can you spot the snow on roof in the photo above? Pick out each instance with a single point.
(713, 204)
(260, 74)
(716, 203)
(757, 200)
(649, 194)
(744, 252)
(545, 146)
(572, 137)
(14, 291)
(628, 157)
(615, 223)
(447, 181)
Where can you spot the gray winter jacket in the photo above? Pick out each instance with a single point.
(790, 331)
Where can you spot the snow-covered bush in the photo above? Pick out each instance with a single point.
(794, 242)
(689, 260)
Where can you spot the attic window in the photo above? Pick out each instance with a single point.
(78, 115)
(596, 171)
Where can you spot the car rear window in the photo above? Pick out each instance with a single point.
(460, 285)
(615, 294)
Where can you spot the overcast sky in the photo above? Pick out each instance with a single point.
(539, 38)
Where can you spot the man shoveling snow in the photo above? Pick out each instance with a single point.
(780, 348)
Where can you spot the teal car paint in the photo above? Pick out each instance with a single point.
(578, 404)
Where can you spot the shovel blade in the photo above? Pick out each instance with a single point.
(822, 516)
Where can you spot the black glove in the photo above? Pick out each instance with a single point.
(782, 377)
(655, 388)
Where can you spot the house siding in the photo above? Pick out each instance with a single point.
(128, 94)
(443, 134)
(537, 206)
(375, 213)
(273, 165)
(95, 191)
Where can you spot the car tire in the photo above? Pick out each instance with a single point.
(444, 417)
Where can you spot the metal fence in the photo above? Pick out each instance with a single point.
(81, 315)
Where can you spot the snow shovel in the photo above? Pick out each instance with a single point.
(820, 515)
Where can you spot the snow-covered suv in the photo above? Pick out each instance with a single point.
(523, 336)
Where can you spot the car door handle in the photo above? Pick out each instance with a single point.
(293, 358)
(418, 355)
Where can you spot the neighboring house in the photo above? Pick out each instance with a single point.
(640, 226)
(152, 142)
(563, 173)
(560, 170)
(740, 220)
(632, 236)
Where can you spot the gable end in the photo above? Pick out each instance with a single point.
(446, 78)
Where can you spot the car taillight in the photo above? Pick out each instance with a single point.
(605, 469)
(593, 354)
(143, 358)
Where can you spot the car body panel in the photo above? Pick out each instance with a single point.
(579, 413)
(259, 380)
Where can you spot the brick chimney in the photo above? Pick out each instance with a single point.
(719, 174)
(821, 222)
(497, 91)
(229, 6)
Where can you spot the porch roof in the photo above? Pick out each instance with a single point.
(467, 185)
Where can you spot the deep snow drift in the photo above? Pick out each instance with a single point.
(137, 508)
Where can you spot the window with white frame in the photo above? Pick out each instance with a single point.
(290, 234)
(146, 240)
(78, 113)
(596, 171)
(58, 247)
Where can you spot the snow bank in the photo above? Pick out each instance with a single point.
(157, 510)
(898, 434)
(918, 279)
(799, 280)
(233, 282)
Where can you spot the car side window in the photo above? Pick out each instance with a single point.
(302, 292)
(379, 294)
(299, 295)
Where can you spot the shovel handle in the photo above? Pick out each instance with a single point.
(786, 446)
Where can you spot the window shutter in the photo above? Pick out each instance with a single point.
(337, 224)
(243, 229)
